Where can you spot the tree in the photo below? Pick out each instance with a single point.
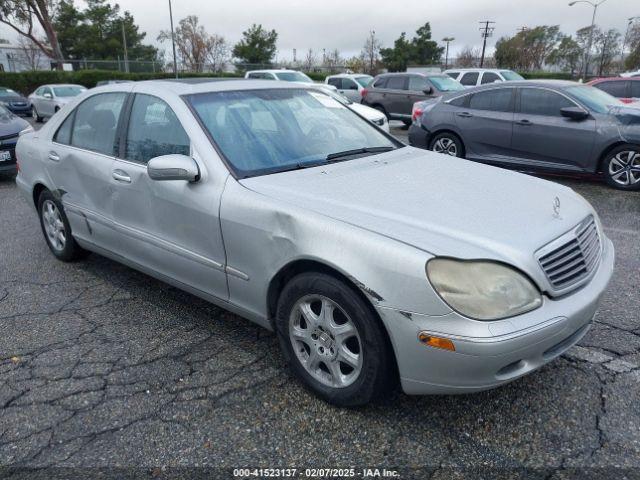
(30, 54)
(632, 61)
(96, 32)
(333, 60)
(257, 46)
(24, 16)
(425, 51)
(356, 64)
(196, 47)
(309, 60)
(371, 53)
(607, 46)
(397, 58)
(528, 49)
(566, 55)
(468, 58)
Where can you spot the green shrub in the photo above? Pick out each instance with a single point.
(27, 82)
(317, 76)
(547, 76)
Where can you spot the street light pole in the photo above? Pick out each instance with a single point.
(593, 24)
(173, 42)
(447, 40)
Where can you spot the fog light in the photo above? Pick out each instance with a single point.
(436, 342)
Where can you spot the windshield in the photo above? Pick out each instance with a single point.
(7, 92)
(446, 84)
(293, 77)
(70, 91)
(268, 131)
(364, 80)
(509, 75)
(593, 98)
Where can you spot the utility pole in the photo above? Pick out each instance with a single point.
(447, 40)
(593, 26)
(372, 52)
(294, 56)
(126, 55)
(173, 42)
(486, 31)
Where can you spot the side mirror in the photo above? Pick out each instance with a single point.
(48, 95)
(428, 90)
(574, 113)
(173, 167)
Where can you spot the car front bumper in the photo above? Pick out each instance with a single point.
(505, 353)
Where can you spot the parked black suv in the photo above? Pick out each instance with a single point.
(395, 93)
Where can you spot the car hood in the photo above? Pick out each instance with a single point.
(11, 124)
(440, 204)
(367, 112)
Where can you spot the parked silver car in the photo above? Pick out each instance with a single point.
(371, 260)
(48, 99)
(351, 85)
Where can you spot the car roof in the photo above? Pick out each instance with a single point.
(349, 75)
(189, 86)
(62, 85)
(477, 70)
(559, 84)
(613, 79)
(273, 70)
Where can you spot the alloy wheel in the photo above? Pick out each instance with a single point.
(445, 145)
(624, 167)
(325, 341)
(53, 225)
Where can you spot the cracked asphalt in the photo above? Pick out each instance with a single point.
(104, 367)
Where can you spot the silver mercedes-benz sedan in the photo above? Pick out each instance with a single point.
(373, 261)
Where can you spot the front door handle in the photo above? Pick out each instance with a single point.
(524, 122)
(465, 115)
(121, 176)
(54, 157)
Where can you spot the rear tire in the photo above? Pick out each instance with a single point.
(332, 340)
(56, 229)
(622, 167)
(448, 144)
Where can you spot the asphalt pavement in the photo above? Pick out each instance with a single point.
(102, 367)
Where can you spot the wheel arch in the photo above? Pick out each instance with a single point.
(608, 150)
(296, 267)
(451, 131)
(38, 188)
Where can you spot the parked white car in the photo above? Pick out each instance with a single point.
(284, 75)
(472, 77)
(349, 84)
(48, 99)
(635, 73)
(374, 116)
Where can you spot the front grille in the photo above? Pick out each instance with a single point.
(572, 257)
(18, 104)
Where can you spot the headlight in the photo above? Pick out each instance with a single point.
(482, 290)
(28, 129)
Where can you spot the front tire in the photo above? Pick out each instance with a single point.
(448, 144)
(622, 167)
(334, 343)
(35, 115)
(56, 229)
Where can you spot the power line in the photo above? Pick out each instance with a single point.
(486, 31)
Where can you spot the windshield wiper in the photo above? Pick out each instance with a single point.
(332, 157)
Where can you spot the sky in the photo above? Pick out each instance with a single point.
(344, 24)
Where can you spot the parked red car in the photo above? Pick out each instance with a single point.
(626, 89)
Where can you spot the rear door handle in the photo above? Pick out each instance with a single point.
(121, 176)
(54, 157)
(465, 114)
(524, 122)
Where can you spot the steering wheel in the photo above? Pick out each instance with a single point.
(322, 133)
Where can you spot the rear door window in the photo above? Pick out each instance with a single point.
(380, 83)
(616, 88)
(397, 83)
(336, 82)
(470, 79)
(417, 83)
(490, 77)
(349, 84)
(498, 100)
(96, 121)
(635, 89)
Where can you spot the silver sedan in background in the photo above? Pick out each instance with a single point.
(48, 99)
(373, 261)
